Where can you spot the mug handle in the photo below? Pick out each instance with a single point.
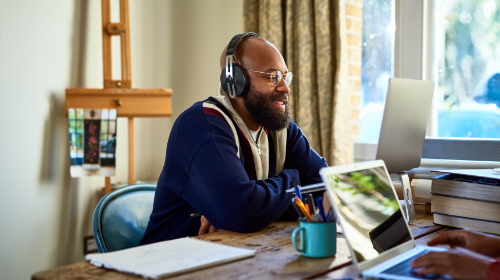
(302, 239)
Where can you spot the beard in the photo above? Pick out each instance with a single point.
(261, 108)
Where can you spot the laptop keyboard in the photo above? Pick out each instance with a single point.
(404, 268)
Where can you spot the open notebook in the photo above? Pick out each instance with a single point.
(169, 258)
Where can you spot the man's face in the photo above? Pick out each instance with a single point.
(266, 101)
(270, 110)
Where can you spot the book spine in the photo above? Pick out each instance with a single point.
(461, 222)
(466, 190)
(465, 208)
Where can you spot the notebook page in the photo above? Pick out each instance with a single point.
(168, 258)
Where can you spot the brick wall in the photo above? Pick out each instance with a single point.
(354, 24)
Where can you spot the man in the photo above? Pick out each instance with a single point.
(231, 159)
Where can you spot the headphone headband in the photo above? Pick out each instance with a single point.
(231, 47)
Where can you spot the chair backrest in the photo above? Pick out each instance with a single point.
(121, 217)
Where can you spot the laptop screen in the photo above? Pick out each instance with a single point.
(368, 211)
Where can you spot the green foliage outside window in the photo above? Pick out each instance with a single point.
(370, 185)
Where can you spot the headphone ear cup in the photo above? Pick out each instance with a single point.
(240, 75)
(240, 80)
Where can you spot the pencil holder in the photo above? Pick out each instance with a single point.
(317, 239)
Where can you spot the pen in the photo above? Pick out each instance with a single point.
(303, 209)
(314, 211)
(294, 204)
(306, 204)
(334, 218)
(319, 202)
(310, 201)
(297, 192)
(195, 215)
(317, 215)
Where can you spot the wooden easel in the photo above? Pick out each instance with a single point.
(118, 94)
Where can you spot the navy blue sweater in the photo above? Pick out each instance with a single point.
(203, 174)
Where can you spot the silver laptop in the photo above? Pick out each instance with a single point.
(406, 112)
(367, 208)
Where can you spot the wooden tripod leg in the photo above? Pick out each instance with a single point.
(107, 186)
(131, 157)
(121, 29)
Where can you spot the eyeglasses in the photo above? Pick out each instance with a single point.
(276, 76)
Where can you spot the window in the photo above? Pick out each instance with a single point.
(453, 42)
(377, 66)
(467, 59)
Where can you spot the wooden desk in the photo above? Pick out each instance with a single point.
(275, 259)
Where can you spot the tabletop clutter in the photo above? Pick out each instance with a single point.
(310, 210)
(318, 230)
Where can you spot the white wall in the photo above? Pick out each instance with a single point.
(48, 46)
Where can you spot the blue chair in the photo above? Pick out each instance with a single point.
(121, 217)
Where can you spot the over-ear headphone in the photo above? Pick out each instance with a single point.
(233, 78)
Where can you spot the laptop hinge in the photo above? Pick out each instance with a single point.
(405, 183)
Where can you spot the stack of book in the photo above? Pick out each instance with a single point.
(466, 202)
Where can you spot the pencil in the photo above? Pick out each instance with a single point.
(308, 208)
(195, 215)
(303, 209)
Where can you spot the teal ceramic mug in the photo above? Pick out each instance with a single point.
(317, 239)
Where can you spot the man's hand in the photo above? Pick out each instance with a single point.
(481, 243)
(205, 224)
(459, 263)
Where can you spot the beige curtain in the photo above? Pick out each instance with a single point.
(311, 36)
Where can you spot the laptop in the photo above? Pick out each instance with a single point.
(406, 113)
(377, 233)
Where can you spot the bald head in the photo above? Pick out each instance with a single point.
(253, 53)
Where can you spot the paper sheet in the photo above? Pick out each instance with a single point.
(423, 188)
(484, 173)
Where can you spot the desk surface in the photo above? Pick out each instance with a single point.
(275, 259)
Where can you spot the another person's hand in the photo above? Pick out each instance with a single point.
(459, 263)
(205, 224)
(481, 243)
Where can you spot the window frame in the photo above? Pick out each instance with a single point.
(413, 59)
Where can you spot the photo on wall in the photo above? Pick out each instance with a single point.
(92, 142)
